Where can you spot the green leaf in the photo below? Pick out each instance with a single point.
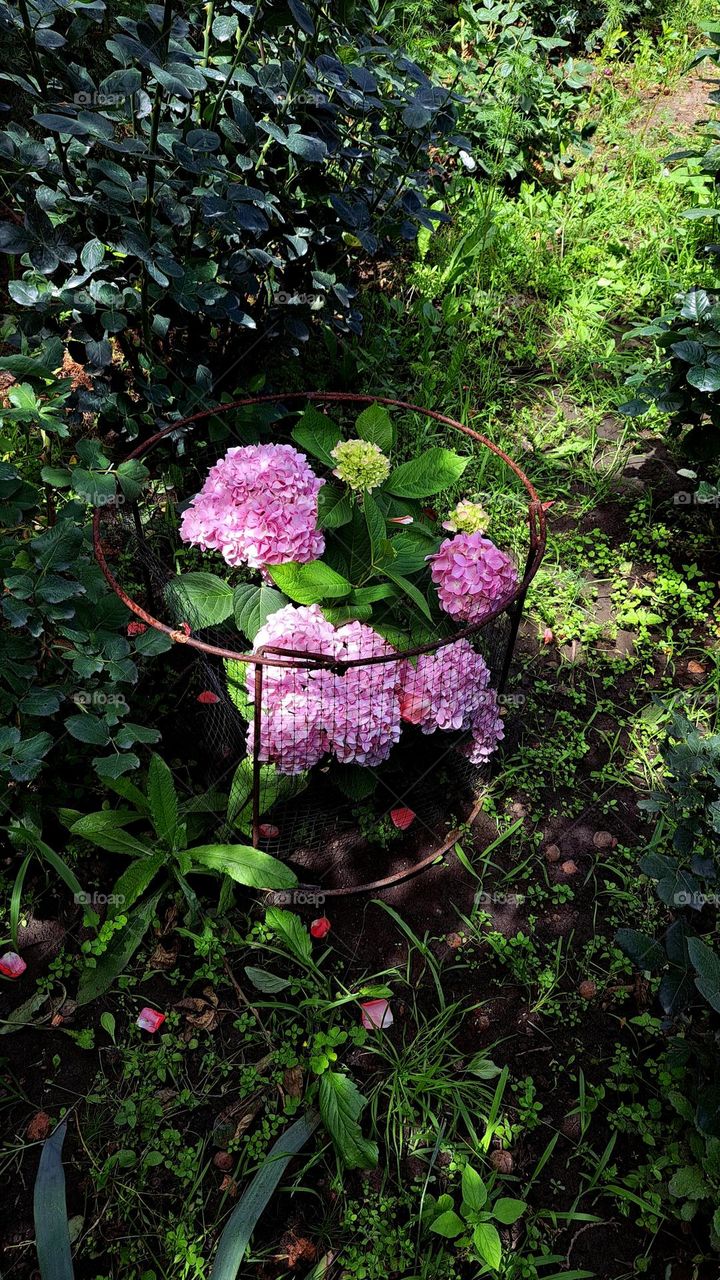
(132, 884)
(410, 590)
(244, 864)
(374, 424)
(292, 931)
(100, 829)
(335, 507)
(448, 1225)
(95, 982)
(317, 435)
(704, 377)
(689, 1183)
(110, 768)
(253, 605)
(162, 799)
(309, 583)
(474, 1191)
(132, 476)
(341, 1104)
(88, 728)
(507, 1210)
(707, 967)
(375, 522)
(241, 1223)
(270, 983)
(430, 473)
(643, 950)
(200, 598)
(52, 1234)
(274, 787)
(488, 1244)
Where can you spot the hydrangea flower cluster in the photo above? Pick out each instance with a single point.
(472, 576)
(258, 506)
(448, 689)
(309, 712)
(360, 463)
(357, 715)
(468, 517)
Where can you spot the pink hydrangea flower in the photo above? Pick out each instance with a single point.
(258, 506)
(296, 701)
(441, 690)
(365, 723)
(487, 730)
(307, 713)
(472, 576)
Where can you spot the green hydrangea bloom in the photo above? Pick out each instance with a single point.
(468, 517)
(361, 464)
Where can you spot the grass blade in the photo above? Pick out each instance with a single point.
(241, 1223)
(52, 1235)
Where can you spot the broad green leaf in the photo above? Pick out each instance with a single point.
(309, 583)
(52, 1234)
(448, 1225)
(244, 864)
(274, 787)
(374, 424)
(507, 1210)
(253, 605)
(474, 1190)
(430, 473)
(488, 1244)
(411, 550)
(291, 930)
(99, 829)
(335, 507)
(95, 981)
(202, 599)
(241, 1223)
(270, 983)
(317, 435)
(162, 799)
(88, 728)
(341, 1104)
(644, 951)
(370, 595)
(706, 964)
(704, 378)
(133, 882)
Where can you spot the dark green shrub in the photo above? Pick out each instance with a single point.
(217, 186)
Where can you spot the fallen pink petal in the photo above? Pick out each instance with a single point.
(400, 520)
(12, 965)
(268, 831)
(320, 928)
(376, 1014)
(150, 1020)
(402, 818)
(207, 697)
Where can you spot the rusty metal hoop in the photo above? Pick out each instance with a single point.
(282, 657)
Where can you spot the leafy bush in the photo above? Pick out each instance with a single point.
(522, 92)
(684, 864)
(218, 183)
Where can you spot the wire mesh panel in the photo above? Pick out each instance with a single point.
(365, 718)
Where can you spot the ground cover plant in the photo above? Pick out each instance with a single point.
(215, 1066)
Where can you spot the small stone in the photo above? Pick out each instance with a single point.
(695, 668)
(454, 940)
(552, 853)
(604, 840)
(502, 1161)
(571, 1127)
(39, 1127)
(223, 1161)
(569, 868)
(587, 989)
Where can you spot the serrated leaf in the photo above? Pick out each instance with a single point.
(202, 598)
(133, 882)
(162, 800)
(309, 583)
(707, 967)
(429, 474)
(317, 435)
(100, 830)
(253, 606)
(374, 424)
(644, 951)
(244, 864)
(341, 1105)
(335, 507)
(292, 931)
(270, 983)
(507, 1210)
